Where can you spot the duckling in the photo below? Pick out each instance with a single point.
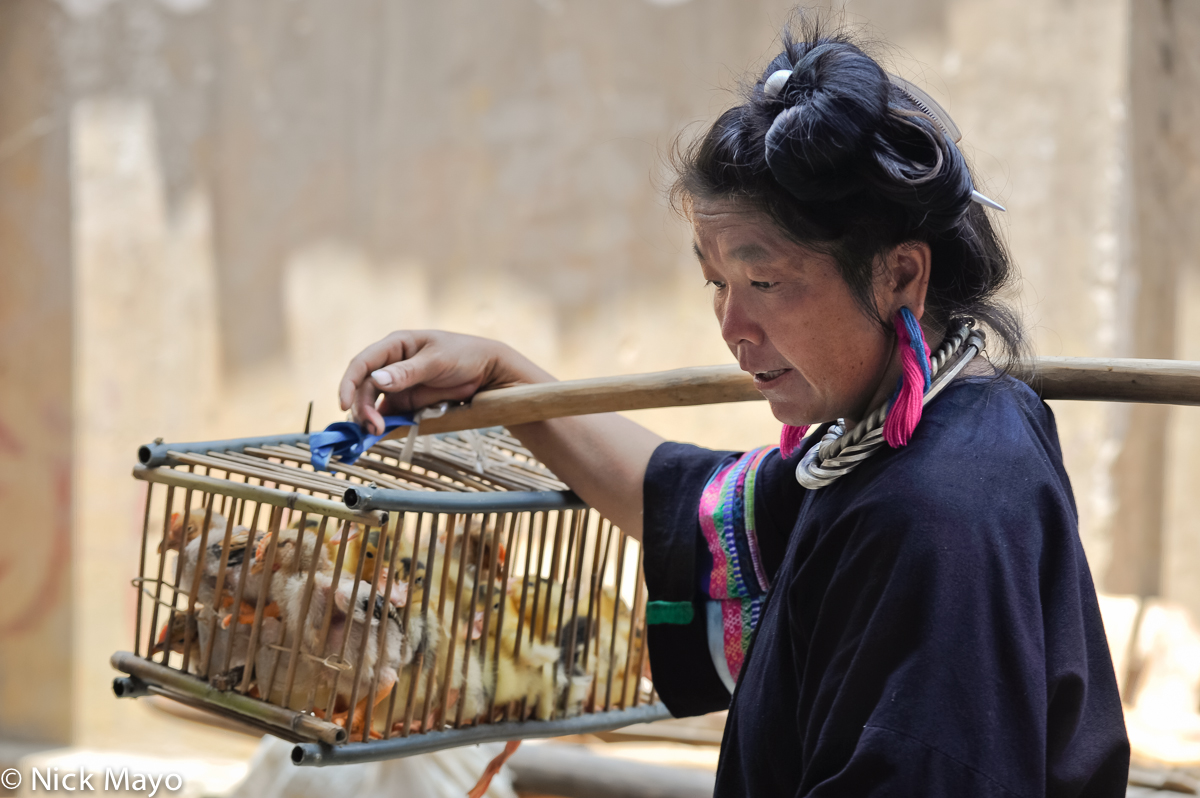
(191, 630)
(472, 692)
(347, 628)
(221, 640)
(544, 607)
(354, 548)
(542, 601)
(368, 548)
(424, 637)
(528, 674)
(176, 531)
(618, 648)
(481, 548)
(294, 554)
(429, 640)
(399, 592)
(175, 634)
(334, 532)
(477, 537)
(239, 542)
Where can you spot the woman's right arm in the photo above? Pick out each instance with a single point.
(602, 457)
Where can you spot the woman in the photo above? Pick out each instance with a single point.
(923, 618)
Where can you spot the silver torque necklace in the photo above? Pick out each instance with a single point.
(840, 452)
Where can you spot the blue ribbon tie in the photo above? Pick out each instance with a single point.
(347, 441)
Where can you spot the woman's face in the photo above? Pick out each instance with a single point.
(790, 319)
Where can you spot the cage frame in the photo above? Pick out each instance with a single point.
(320, 742)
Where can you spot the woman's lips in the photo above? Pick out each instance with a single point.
(764, 379)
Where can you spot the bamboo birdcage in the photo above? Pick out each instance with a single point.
(402, 604)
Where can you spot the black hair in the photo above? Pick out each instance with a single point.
(843, 161)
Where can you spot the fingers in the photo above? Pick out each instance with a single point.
(371, 415)
(395, 347)
(420, 367)
(395, 378)
(358, 391)
(426, 396)
(412, 370)
(393, 365)
(363, 408)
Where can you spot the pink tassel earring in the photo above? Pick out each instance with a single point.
(905, 411)
(789, 439)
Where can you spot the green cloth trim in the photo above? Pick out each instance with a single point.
(679, 613)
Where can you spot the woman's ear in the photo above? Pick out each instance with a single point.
(905, 278)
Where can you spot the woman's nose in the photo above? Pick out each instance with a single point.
(738, 324)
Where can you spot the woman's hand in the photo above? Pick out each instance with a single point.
(602, 457)
(415, 369)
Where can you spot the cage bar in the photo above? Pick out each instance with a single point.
(322, 755)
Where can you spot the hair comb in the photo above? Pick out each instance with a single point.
(937, 114)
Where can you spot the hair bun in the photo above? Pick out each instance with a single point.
(834, 101)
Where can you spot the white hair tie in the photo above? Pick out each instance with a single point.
(774, 84)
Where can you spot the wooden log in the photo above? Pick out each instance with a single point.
(1174, 382)
(1093, 379)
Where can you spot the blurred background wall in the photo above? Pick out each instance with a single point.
(208, 206)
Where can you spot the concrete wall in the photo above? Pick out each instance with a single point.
(207, 207)
(36, 413)
(1170, 55)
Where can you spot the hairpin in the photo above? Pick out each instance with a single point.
(929, 106)
(774, 84)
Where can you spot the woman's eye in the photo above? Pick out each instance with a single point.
(763, 285)
(714, 283)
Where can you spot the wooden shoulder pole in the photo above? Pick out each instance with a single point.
(1092, 379)
(1171, 382)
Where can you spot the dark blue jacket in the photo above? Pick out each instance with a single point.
(930, 626)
